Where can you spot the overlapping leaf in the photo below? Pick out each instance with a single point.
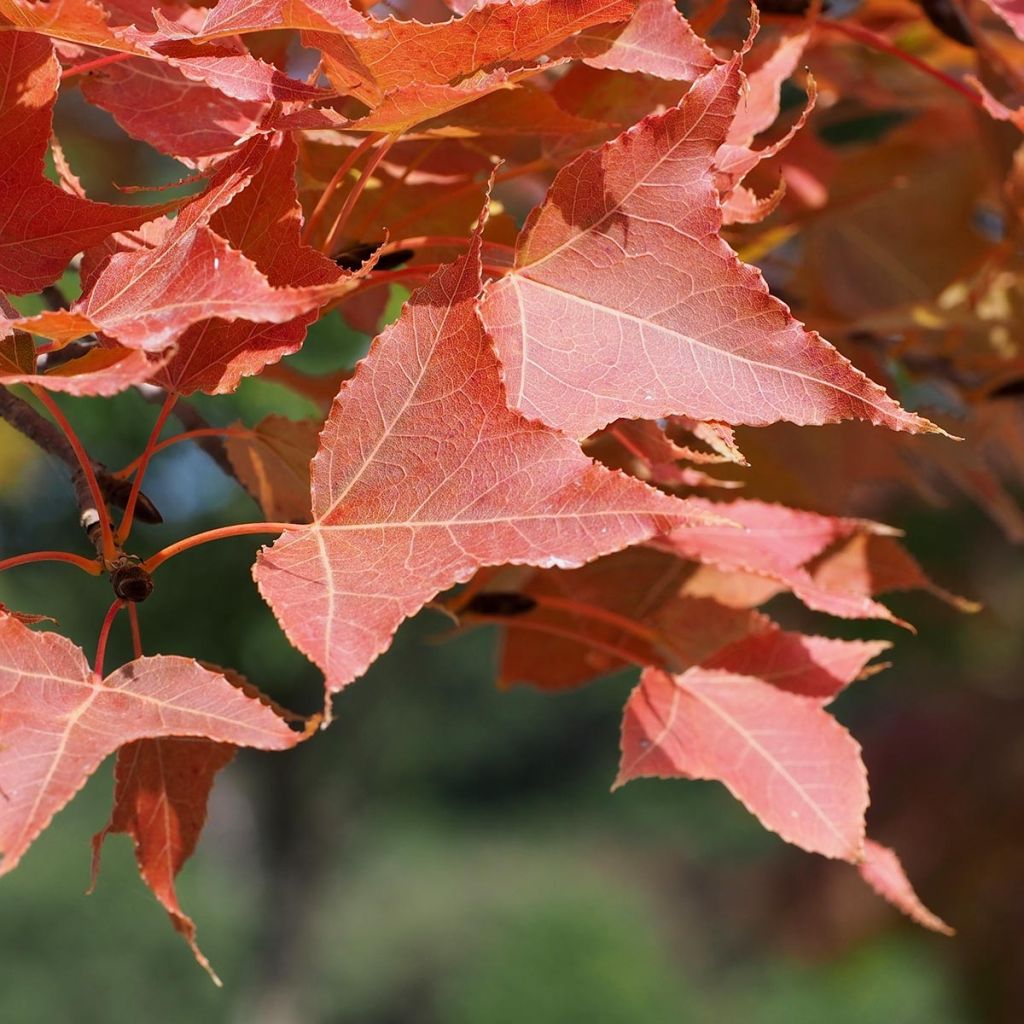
(147, 299)
(264, 223)
(59, 721)
(778, 543)
(625, 302)
(783, 756)
(424, 475)
(405, 54)
(162, 787)
(41, 226)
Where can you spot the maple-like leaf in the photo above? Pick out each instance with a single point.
(237, 17)
(59, 721)
(778, 542)
(264, 222)
(657, 40)
(400, 54)
(629, 608)
(160, 797)
(789, 762)
(41, 226)
(157, 103)
(625, 302)
(424, 475)
(148, 298)
(811, 666)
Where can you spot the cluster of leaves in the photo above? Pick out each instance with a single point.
(544, 421)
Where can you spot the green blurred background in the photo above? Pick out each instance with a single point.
(450, 854)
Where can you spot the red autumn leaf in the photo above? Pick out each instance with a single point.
(657, 40)
(272, 462)
(783, 756)
(263, 222)
(882, 870)
(238, 75)
(439, 479)
(630, 608)
(236, 17)
(757, 110)
(156, 103)
(869, 564)
(77, 21)
(148, 298)
(42, 226)
(162, 788)
(59, 721)
(401, 54)
(403, 108)
(626, 303)
(811, 666)
(101, 372)
(778, 542)
(1012, 12)
(644, 449)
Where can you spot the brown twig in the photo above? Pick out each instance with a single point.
(38, 429)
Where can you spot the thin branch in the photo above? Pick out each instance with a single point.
(129, 510)
(42, 432)
(98, 515)
(221, 533)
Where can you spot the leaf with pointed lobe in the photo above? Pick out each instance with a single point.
(644, 449)
(59, 721)
(148, 298)
(156, 103)
(149, 301)
(272, 462)
(778, 543)
(657, 40)
(783, 756)
(810, 666)
(408, 106)
(882, 870)
(161, 791)
(424, 475)
(400, 55)
(103, 371)
(758, 108)
(42, 227)
(236, 74)
(239, 17)
(868, 564)
(76, 21)
(625, 302)
(264, 223)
